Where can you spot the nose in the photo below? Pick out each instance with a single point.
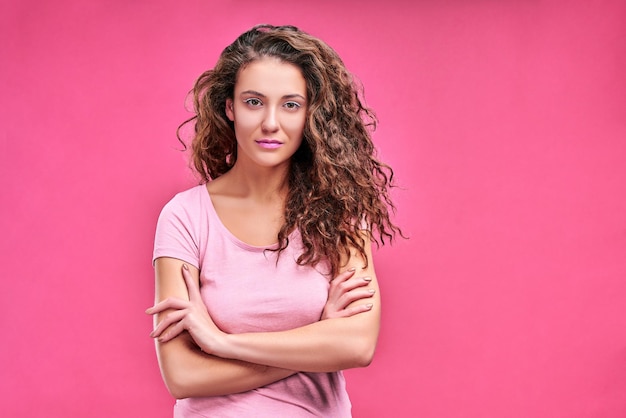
(270, 122)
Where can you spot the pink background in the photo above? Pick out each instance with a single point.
(504, 120)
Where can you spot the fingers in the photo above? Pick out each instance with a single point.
(180, 310)
(167, 321)
(346, 281)
(354, 295)
(344, 276)
(343, 292)
(347, 312)
(184, 312)
(169, 303)
(172, 332)
(355, 282)
(355, 310)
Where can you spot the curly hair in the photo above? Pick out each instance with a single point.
(337, 186)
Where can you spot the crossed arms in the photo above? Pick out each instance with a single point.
(198, 359)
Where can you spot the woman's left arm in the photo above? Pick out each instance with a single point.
(324, 346)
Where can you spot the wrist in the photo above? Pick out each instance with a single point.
(222, 346)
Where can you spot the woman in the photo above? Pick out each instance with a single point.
(248, 320)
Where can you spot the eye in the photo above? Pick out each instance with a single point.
(254, 102)
(292, 105)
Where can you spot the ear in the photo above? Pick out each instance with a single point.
(229, 110)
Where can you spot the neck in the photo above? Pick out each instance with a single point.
(259, 183)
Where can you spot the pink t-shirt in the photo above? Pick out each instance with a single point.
(246, 290)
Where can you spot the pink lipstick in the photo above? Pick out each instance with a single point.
(268, 143)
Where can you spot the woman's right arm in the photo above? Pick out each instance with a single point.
(189, 372)
(186, 370)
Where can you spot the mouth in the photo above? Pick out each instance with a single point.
(268, 143)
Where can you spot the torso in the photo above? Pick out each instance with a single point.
(249, 289)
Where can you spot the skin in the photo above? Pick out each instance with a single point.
(196, 357)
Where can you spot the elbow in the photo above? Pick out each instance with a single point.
(177, 377)
(364, 353)
(176, 387)
(177, 369)
(366, 357)
(361, 346)
(176, 392)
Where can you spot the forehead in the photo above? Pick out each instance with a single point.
(271, 76)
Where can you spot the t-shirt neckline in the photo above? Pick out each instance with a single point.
(229, 234)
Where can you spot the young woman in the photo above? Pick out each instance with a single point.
(265, 286)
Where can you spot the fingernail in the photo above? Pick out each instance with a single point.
(367, 279)
(185, 267)
(372, 291)
(352, 269)
(369, 305)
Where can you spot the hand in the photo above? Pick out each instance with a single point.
(345, 289)
(190, 315)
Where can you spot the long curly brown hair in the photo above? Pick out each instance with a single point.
(337, 186)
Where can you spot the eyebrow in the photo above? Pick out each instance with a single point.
(286, 96)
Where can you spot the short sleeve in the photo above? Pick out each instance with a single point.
(176, 234)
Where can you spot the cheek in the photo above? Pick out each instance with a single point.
(295, 126)
(245, 123)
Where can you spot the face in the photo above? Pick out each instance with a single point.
(269, 112)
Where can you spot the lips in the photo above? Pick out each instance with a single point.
(268, 143)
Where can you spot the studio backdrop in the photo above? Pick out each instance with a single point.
(503, 120)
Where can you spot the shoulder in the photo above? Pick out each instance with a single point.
(185, 211)
(189, 202)
(180, 226)
(189, 196)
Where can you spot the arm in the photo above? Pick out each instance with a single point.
(189, 372)
(186, 370)
(343, 342)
